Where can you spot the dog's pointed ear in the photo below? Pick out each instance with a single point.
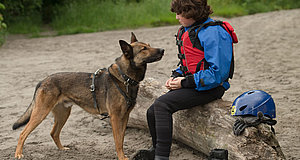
(133, 38)
(126, 49)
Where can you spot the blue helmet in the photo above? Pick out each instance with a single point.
(252, 102)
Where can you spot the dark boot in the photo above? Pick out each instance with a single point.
(144, 154)
(161, 158)
(218, 154)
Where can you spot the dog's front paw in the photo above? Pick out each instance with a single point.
(19, 156)
(124, 158)
(64, 148)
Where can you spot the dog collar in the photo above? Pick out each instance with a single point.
(126, 78)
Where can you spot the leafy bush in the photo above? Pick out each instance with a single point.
(77, 16)
(23, 16)
(2, 25)
(15, 8)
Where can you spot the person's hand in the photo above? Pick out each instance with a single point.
(167, 84)
(174, 83)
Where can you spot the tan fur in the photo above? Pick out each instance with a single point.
(59, 91)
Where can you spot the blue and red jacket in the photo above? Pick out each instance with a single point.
(206, 60)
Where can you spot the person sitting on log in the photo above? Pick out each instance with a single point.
(206, 63)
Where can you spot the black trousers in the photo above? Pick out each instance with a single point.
(159, 115)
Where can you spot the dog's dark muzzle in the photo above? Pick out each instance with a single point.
(162, 51)
(160, 54)
(156, 56)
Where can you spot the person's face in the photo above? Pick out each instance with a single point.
(184, 21)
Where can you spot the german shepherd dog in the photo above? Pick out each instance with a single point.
(113, 92)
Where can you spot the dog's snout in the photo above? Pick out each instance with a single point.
(162, 51)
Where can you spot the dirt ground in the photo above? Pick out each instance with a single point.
(267, 58)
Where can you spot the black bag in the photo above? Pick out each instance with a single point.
(218, 154)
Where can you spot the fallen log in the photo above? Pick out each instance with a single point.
(207, 127)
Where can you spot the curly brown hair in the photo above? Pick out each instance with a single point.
(195, 9)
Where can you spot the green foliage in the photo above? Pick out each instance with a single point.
(21, 7)
(2, 25)
(23, 16)
(230, 8)
(25, 25)
(2, 6)
(226, 8)
(77, 16)
(98, 15)
(92, 15)
(257, 6)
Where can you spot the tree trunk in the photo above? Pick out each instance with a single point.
(207, 127)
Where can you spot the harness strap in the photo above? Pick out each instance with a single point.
(179, 43)
(205, 65)
(93, 88)
(213, 23)
(94, 94)
(126, 78)
(130, 101)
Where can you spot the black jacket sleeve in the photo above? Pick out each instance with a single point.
(188, 82)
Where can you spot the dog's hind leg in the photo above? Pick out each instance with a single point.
(119, 124)
(44, 102)
(61, 115)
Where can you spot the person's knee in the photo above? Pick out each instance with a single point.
(150, 111)
(160, 106)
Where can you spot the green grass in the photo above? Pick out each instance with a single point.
(232, 8)
(225, 9)
(80, 16)
(25, 25)
(2, 37)
(91, 16)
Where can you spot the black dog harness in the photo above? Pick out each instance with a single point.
(130, 101)
(92, 89)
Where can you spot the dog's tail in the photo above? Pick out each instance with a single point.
(24, 119)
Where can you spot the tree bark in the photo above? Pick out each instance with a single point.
(207, 127)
